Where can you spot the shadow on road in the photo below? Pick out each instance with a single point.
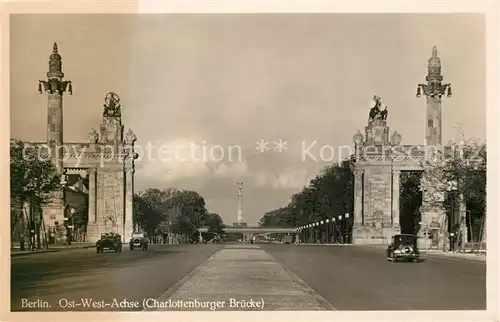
(83, 274)
(37, 269)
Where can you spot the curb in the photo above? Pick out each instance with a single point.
(53, 250)
(459, 259)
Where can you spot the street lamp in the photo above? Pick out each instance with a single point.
(72, 227)
(452, 242)
(341, 234)
(451, 187)
(346, 228)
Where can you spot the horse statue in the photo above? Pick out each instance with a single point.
(378, 110)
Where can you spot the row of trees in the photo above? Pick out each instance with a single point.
(33, 178)
(172, 211)
(332, 191)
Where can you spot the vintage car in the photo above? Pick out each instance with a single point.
(109, 241)
(403, 247)
(138, 241)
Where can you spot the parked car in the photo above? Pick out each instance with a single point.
(138, 241)
(403, 247)
(109, 241)
(287, 239)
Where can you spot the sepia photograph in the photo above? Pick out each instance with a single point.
(248, 162)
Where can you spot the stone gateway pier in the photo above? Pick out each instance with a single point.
(106, 161)
(380, 159)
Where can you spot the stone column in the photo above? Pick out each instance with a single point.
(358, 197)
(92, 195)
(129, 204)
(395, 201)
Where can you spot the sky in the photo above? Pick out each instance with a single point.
(224, 82)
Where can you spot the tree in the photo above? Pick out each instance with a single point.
(151, 207)
(411, 200)
(215, 223)
(281, 217)
(33, 179)
(163, 211)
(330, 193)
(190, 212)
(460, 172)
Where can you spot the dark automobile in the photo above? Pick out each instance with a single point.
(403, 247)
(138, 241)
(109, 241)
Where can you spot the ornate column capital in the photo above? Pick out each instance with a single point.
(358, 172)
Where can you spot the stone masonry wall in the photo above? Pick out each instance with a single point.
(110, 202)
(377, 198)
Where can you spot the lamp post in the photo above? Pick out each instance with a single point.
(452, 241)
(327, 221)
(334, 228)
(346, 228)
(451, 188)
(321, 232)
(341, 235)
(71, 227)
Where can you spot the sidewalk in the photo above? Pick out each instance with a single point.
(480, 257)
(240, 277)
(52, 248)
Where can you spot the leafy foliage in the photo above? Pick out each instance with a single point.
(160, 211)
(329, 194)
(33, 176)
(410, 202)
(463, 167)
(215, 223)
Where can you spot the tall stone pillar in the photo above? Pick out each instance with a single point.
(433, 91)
(358, 197)
(128, 227)
(92, 195)
(239, 210)
(129, 205)
(432, 209)
(395, 201)
(55, 86)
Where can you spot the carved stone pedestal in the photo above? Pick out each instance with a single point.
(369, 235)
(433, 231)
(53, 214)
(93, 233)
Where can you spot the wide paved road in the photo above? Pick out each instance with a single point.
(285, 276)
(82, 273)
(360, 278)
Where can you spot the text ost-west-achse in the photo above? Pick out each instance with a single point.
(147, 303)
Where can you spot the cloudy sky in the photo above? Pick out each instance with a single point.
(225, 82)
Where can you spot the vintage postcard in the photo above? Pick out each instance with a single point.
(302, 159)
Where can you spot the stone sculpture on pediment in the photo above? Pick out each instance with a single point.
(378, 110)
